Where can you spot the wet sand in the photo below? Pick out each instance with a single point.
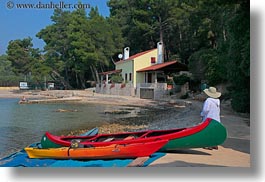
(165, 113)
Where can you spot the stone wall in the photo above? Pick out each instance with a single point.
(116, 89)
(160, 89)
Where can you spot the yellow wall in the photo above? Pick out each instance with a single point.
(143, 62)
(131, 66)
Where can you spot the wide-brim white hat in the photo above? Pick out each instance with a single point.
(211, 92)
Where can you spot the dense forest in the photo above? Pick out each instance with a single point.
(211, 37)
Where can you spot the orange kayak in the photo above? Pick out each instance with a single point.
(114, 151)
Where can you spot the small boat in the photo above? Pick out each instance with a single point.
(115, 151)
(206, 134)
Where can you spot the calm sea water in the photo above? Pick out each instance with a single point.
(23, 124)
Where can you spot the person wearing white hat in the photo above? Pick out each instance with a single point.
(211, 107)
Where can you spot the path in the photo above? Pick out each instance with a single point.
(234, 152)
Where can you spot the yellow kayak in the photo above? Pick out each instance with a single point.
(133, 150)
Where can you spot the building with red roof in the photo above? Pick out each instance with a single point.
(145, 71)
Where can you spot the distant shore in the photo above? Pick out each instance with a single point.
(166, 113)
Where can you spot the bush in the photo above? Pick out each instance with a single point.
(208, 64)
(181, 79)
(241, 101)
(9, 80)
(116, 78)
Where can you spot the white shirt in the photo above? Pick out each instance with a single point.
(211, 109)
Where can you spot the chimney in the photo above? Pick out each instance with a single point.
(126, 53)
(160, 53)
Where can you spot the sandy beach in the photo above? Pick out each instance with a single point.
(165, 113)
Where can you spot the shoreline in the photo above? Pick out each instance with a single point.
(166, 113)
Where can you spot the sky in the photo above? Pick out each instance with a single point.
(20, 23)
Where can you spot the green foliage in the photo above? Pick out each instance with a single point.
(238, 69)
(7, 76)
(141, 21)
(240, 100)
(116, 78)
(26, 61)
(197, 64)
(205, 64)
(19, 54)
(78, 46)
(181, 79)
(5, 66)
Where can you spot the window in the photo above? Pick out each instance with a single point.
(130, 77)
(153, 60)
(126, 77)
(149, 77)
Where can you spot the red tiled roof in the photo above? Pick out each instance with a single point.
(135, 56)
(110, 72)
(157, 66)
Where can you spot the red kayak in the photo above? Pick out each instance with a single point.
(132, 150)
(206, 134)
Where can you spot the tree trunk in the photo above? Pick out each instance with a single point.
(92, 73)
(66, 76)
(57, 76)
(180, 39)
(96, 73)
(77, 80)
(82, 81)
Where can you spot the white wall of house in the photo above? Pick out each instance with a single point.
(127, 70)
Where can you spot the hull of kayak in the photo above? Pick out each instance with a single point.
(133, 150)
(206, 134)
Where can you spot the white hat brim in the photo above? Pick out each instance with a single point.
(213, 95)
